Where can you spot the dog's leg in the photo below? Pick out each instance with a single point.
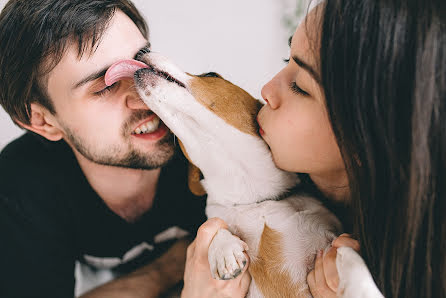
(355, 279)
(226, 256)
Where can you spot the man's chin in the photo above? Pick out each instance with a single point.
(137, 156)
(153, 161)
(159, 156)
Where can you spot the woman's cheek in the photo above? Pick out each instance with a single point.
(299, 145)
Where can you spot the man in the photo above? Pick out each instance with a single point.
(96, 180)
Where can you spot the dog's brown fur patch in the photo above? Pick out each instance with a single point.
(267, 271)
(227, 101)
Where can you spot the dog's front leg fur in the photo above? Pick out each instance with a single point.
(226, 256)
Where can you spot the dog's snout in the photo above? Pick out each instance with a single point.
(141, 76)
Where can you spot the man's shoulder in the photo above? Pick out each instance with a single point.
(31, 150)
(31, 199)
(26, 143)
(30, 163)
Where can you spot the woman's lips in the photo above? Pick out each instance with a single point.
(261, 131)
(123, 69)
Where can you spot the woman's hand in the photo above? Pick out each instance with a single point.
(323, 280)
(198, 281)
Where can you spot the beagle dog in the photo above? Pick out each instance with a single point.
(215, 122)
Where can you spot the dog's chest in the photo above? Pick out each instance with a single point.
(248, 221)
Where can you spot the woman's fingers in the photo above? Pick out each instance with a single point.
(330, 270)
(322, 287)
(317, 282)
(346, 240)
(324, 279)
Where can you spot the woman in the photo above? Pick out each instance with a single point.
(361, 108)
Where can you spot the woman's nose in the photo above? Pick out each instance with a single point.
(269, 93)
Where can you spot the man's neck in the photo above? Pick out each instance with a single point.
(127, 192)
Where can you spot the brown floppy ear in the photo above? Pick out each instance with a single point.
(194, 180)
(194, 176)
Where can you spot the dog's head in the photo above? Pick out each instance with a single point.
(214, 119)
(166, 89)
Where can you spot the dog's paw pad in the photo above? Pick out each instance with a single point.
(226, 256)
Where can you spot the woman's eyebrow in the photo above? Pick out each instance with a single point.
(304, 65)
(308, 68)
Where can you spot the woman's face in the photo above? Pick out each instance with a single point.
(294, 122)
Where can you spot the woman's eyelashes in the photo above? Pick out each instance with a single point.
(296, 89)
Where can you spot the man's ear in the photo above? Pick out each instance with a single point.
(43, 123)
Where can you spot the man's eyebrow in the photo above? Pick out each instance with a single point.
(101, 73)
(92, 77)
(308, 68)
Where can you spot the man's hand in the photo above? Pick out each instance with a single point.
(198, 281)
(149, 281)
(323, 280)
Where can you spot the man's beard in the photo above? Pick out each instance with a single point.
(133, 158)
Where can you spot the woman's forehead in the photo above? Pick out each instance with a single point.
(306, 39)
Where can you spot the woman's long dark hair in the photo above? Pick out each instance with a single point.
(383, 68)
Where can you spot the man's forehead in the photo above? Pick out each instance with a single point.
(121, 39)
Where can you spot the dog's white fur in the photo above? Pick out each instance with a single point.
(243, 184)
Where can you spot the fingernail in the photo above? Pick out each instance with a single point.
(319, 254)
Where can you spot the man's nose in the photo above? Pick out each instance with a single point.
(131, 96)
(134, 102)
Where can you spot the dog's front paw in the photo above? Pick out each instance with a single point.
(226, 256)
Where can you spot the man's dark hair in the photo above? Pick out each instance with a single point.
(383, 68)
(34, 35)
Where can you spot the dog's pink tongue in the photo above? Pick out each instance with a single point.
(121, 70)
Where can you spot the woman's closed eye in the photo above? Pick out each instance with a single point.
(297, 90)
(293, 85)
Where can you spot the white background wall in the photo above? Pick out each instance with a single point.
(243, 40)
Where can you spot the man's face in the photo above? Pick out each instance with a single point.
(99, 122)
